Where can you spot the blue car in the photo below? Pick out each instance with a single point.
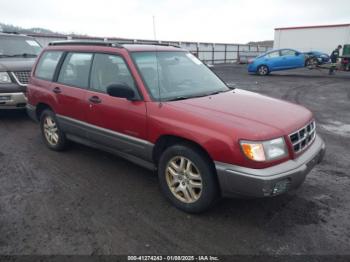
(316, 57)
(275, 60)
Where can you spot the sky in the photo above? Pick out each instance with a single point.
(220, 21)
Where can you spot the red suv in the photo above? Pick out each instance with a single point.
(162, 108)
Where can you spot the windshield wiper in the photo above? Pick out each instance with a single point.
(217, 92)
(179, 98)
(185, 97)
(195, 96)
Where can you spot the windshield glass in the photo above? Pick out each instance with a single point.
(177, 75)
(18, 46)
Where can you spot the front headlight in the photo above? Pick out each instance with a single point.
(266, 150)
(5, 78)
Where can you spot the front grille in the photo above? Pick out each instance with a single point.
(302, 138)
(22, 77)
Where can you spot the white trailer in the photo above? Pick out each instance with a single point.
(324, 38)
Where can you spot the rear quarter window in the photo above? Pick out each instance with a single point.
(47, 65)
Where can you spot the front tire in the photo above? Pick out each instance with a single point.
(187, 178)
(311, 62)
(53, 136)
(263, 70)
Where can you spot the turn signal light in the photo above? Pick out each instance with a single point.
(254, 151)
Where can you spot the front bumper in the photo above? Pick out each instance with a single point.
(251, 68)
(13, 100)
(242, 181)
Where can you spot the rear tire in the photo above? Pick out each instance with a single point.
(263, 70)
(53, 136)
(187, 178)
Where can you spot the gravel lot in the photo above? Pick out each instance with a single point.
(84, 201)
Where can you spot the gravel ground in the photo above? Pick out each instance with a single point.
(84, 201)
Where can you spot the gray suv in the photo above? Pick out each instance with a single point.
(17, 56)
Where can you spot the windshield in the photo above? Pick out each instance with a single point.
(18, 46)
(177, 75)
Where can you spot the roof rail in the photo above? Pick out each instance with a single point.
(74, 42)
(101, 43)
(160, 44)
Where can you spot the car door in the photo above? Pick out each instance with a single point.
(71, 90)
(291, 59)
(116, 123)
(273, 60)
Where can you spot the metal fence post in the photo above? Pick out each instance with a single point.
(225, 58)
(238, 55)
(213, 53)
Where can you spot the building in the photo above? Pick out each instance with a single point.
(324, 38)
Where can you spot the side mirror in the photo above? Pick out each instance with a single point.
(231, 85)
(122, 91)
(297, 53)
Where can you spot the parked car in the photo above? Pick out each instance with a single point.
(275, 60)
(316, 58)
(17, 56)
(162, 108)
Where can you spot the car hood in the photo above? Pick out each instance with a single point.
(258, 115)
(16, 64)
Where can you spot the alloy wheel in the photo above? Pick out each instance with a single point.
(263, 70)
(184, 179)
(51, 130)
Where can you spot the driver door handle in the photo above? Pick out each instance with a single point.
(95, 100)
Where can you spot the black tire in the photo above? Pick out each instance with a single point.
(210, 190)
(62, 142)
(263, 70)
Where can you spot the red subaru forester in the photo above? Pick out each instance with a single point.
(162, 108)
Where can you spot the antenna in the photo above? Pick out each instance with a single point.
(157, 61)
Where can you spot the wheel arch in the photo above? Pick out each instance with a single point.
(40, 107)
(165, 141)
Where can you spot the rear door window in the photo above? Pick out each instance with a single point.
(47, 65)
(75, 70)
